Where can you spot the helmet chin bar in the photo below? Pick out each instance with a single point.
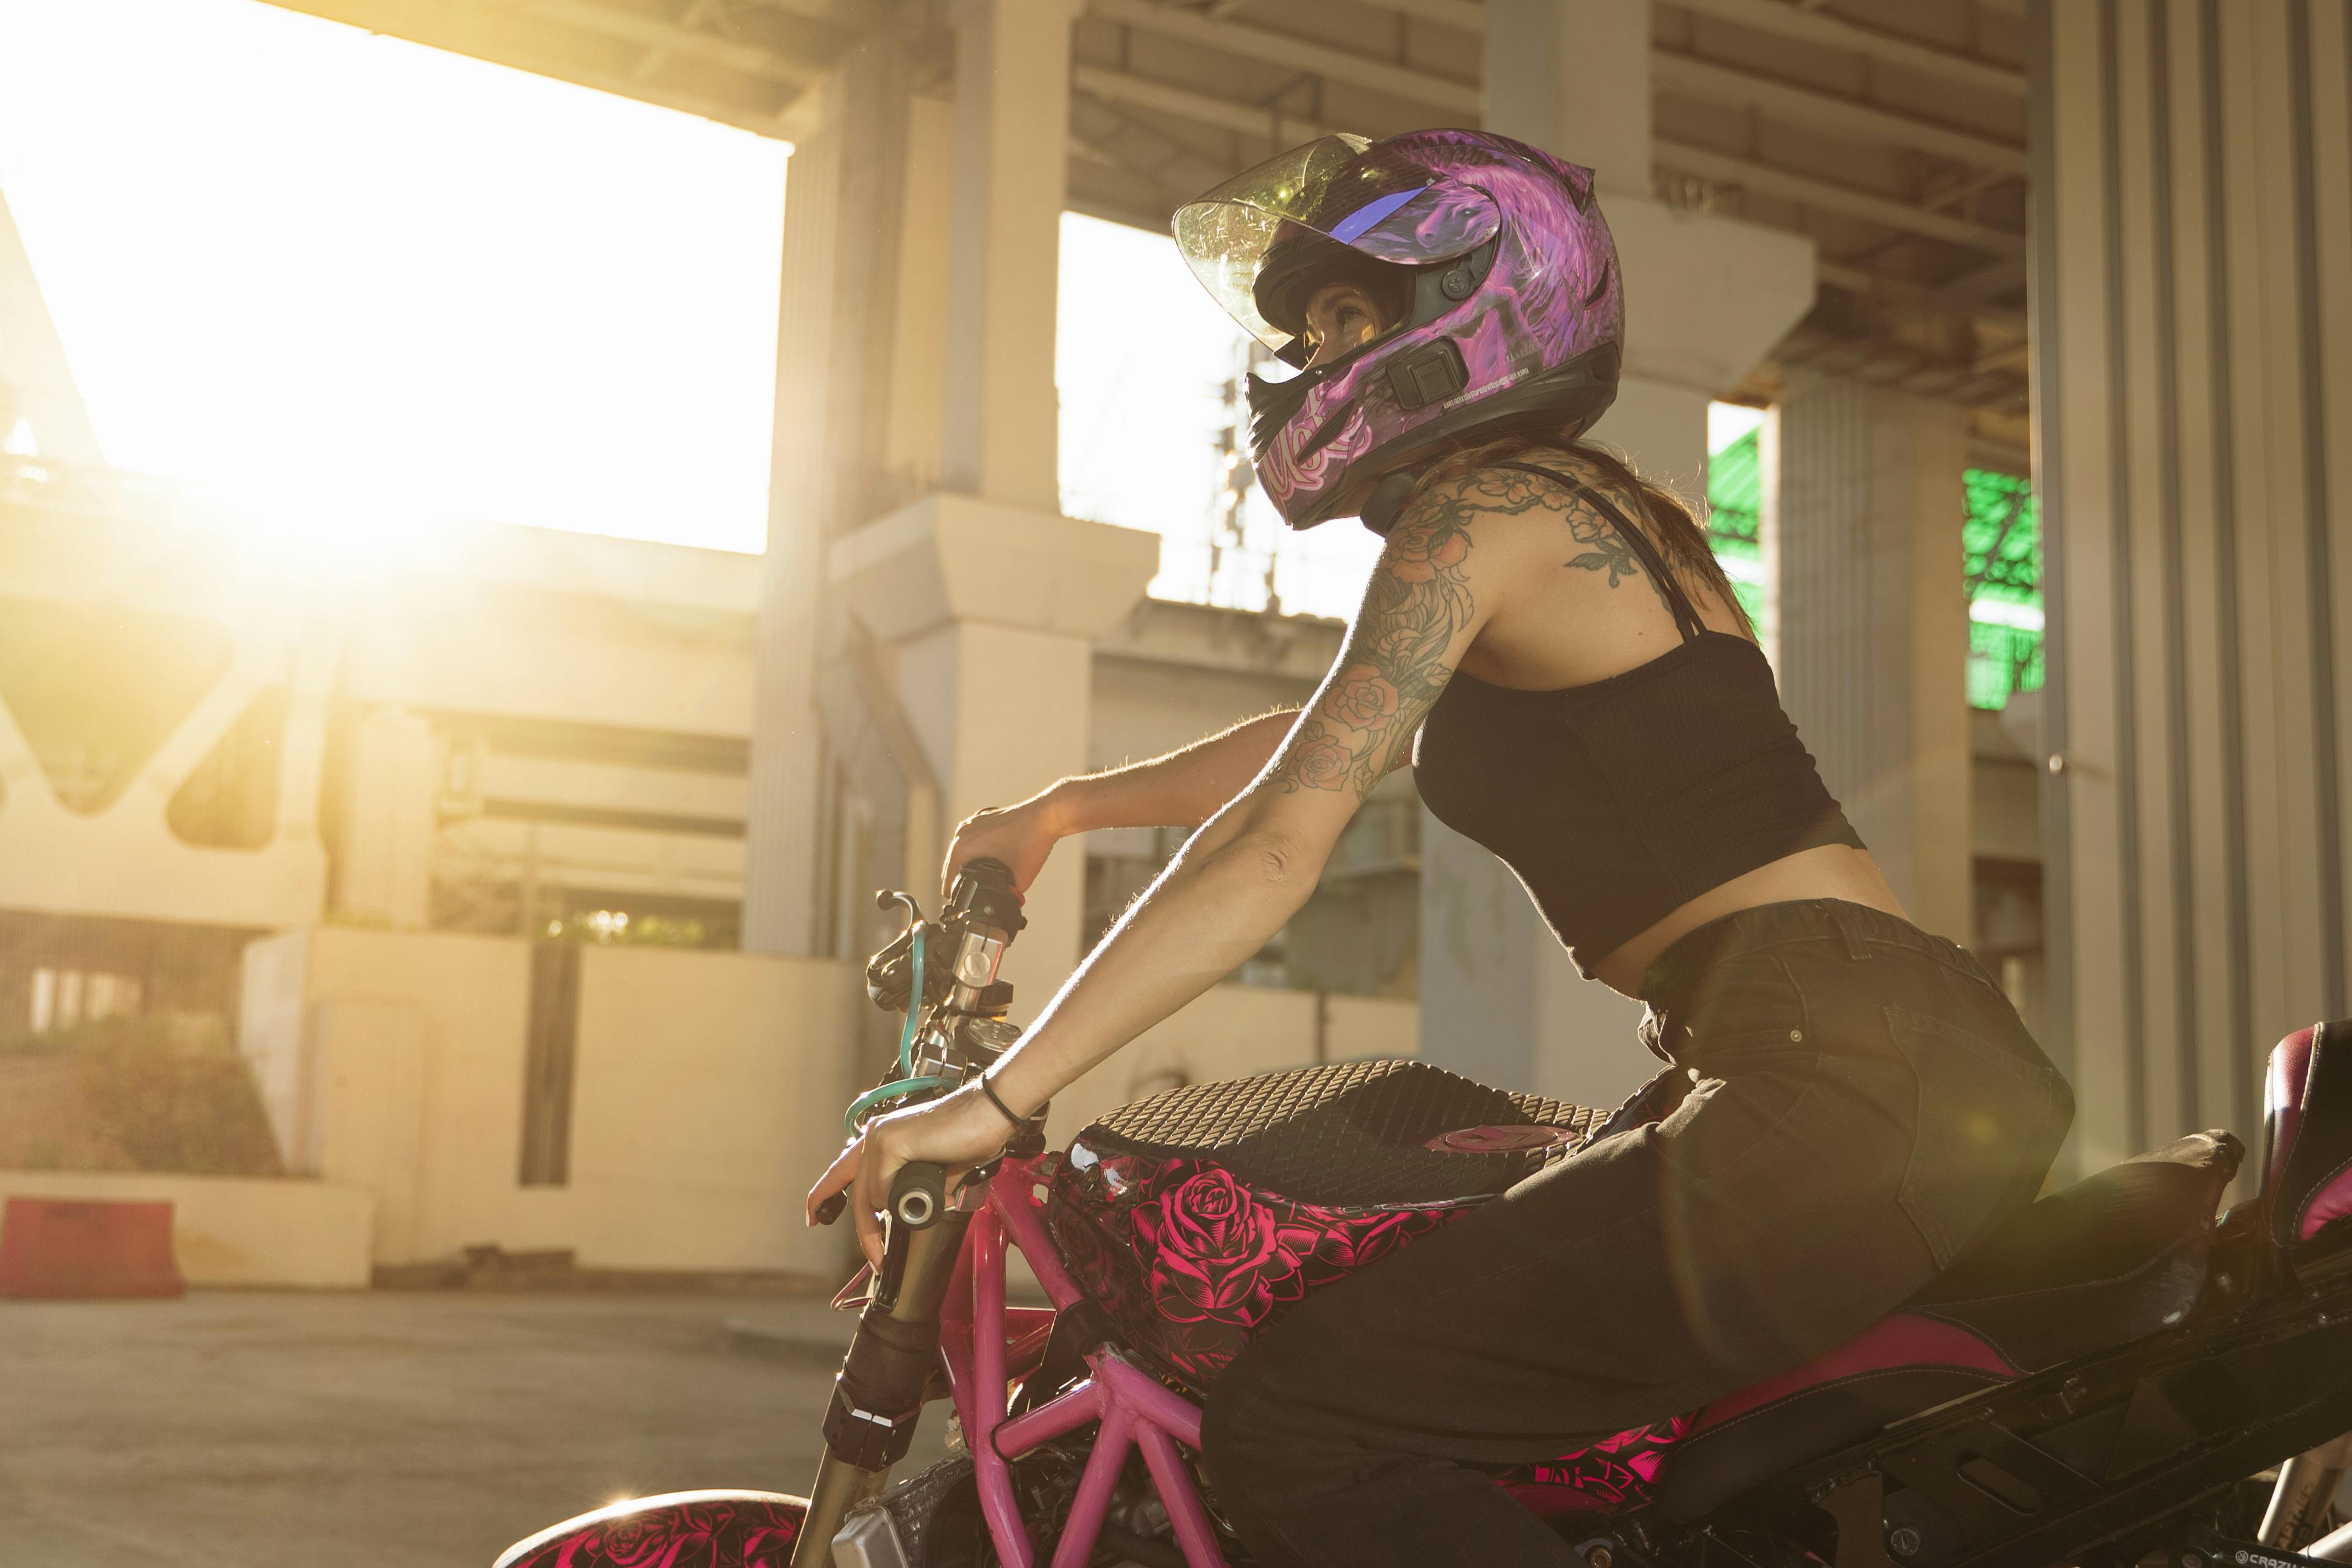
(1561, 404)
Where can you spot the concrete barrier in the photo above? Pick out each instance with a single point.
(236, 1230)
(81, 1249)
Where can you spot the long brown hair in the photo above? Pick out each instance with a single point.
(1670, 517)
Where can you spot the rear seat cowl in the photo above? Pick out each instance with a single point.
(2117, 1256)
(1900, 1365)
(1903, 1340)
(2308, 1133)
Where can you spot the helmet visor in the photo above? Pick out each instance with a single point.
(1385, 209)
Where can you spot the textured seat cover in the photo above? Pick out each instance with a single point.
(1349, 1133)
(2116, 1257)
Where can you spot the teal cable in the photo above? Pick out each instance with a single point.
(906, 1082)
(891, 1091)
(914, 1004)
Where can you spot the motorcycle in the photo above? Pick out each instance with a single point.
(2106, 1381)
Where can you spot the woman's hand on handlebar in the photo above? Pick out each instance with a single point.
(958, 1130)
(1022, 836)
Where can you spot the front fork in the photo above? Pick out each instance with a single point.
(2306, 1485)
(891, 1357)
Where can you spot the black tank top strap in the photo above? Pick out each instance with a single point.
(1687, 617)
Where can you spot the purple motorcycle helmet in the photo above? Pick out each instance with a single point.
(1499, 273)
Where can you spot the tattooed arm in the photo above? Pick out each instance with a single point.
(1250, 867)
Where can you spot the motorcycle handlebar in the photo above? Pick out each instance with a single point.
(980, 897)
(917, 1194)
(917, 1197)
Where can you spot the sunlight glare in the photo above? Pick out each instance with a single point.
(351, 285)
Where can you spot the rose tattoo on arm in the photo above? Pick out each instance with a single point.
(1396, 660)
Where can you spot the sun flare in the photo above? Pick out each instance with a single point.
(342, 287)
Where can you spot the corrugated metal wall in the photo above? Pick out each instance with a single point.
(2193, 239)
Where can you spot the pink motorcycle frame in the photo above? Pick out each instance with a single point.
(977, 1337)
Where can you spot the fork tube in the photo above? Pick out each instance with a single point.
(880, 1389)
(2306, 1484)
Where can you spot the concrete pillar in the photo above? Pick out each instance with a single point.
(2192, 341)
(384, 863)
(835, 358)
(1011, 164)
(1871, 608)
(985, 597)
(37, 384)
(1707, 298)
(993, 612)
(1572, 76)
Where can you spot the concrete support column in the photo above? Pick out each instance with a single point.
(37, 384)
(383, 869)
(835, 329)
(1012, 174)
(1707, 298)
(1873, 615)
(993, 612)
(986, 599)
(1572, 76)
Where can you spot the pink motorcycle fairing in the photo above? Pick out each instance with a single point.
(1191, 1264)
(677, 1530)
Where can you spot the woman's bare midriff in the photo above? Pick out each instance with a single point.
(1832, 871)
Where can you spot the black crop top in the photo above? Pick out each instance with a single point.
(1619, 801)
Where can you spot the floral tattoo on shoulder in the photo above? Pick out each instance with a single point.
(1394, 664)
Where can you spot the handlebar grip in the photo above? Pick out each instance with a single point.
(917, 1195)
(983, 894)
(925, 1185)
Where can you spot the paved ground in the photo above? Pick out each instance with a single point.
(387, 1429)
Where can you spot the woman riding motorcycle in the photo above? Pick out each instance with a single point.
(1850, 1102)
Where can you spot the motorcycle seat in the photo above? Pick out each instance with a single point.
(2307, 1140)
(2112, 1259)
(1352, 1134)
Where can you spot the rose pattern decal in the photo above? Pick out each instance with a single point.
(1612, 1475)
(704, 1531)
(1216, 1255)
(1190, 1263)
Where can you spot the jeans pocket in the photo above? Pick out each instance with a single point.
(1740, 1003)
(1982, 1135)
